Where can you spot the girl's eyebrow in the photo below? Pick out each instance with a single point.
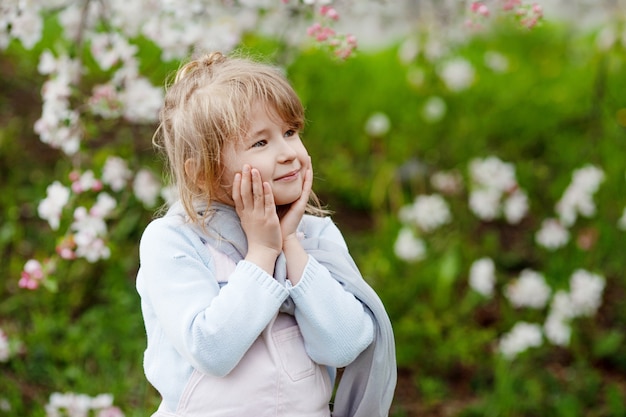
(256, 134)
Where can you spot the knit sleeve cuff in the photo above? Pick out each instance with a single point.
(261, 279)
(307, 282)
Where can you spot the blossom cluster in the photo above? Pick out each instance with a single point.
(528, 15)
(70, 109)
(530, 290)
(425, 215)
(577, 200)
(87, 233)
(495, 191)
(342, 45)
(81, 405)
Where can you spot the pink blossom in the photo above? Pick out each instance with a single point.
(110, 412)
(66, 253)
(313, 29)
(104, 101)
(86, 181)
(510, 4)
(27, 282)
(31, 275)
(480, 8)
(329, 12)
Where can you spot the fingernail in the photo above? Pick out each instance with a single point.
(246, 169)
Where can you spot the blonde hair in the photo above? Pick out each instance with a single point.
(207, 106)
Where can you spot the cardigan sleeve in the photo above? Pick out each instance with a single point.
(335, 325)
(209, 327)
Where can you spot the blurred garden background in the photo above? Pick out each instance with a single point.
(472, 153)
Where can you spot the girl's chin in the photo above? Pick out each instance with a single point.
(285, 200)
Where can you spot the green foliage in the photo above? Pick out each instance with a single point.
(555, 109)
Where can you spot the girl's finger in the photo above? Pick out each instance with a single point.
(236, 191)
(257, 189)
(306, 189)
(246, 187)
(270, 207)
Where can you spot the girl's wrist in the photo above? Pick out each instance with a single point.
(291, 240)
(263, 256)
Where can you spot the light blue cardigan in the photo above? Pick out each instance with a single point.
(190, 326)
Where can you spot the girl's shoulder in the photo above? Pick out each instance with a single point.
(321, 227)
(170, 230)
(313, 223)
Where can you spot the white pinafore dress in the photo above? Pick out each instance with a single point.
(274, 378)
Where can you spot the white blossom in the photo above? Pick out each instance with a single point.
(90, 227)
(90, 247)
(50, 208)
(5, 351)
(408, 247)
(85, 182)
(482, 276)
(169, 194)
(428, 212)
(496, 61)
(562, 306)
(146, 187)
(606, 38)
(557, 330)
(115, 173)
(485, 203)
(85, 222)
(408, 51)
(141, 101)
(27, 26)
(586, 291)
(457, 74)
(447, 182)
(515, 206)
(521, 337)
(109, 49)
(578, 196)
(552, 235)
(102, 401)
(104, 206)
(377, 124)
(493, 173)
(47, 63)
(621, 223)
(495, 190)
(528, 290)
(80, 405)
(434, 109)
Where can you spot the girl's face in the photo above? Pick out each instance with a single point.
(275, 149)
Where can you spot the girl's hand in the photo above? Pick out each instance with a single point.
(254, 203)
(291, 219)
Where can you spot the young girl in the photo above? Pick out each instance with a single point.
(250, 305)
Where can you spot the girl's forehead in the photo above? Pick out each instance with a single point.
(261, 110)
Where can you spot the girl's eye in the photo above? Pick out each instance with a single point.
(259, 144)
(290, 133)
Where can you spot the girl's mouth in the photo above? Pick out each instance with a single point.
(289, 176)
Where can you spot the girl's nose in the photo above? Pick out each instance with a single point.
(287, 152)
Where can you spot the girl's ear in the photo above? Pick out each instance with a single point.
(191, 172)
